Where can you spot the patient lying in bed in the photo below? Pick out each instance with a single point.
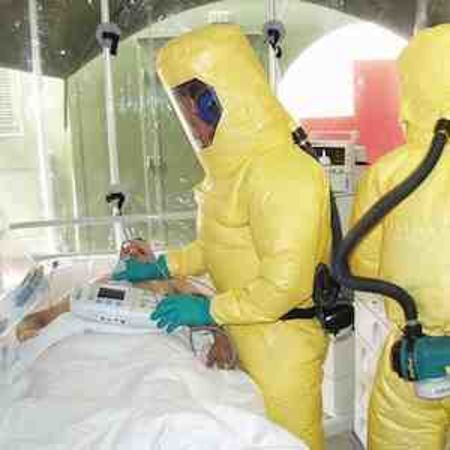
(219, 355)
(132, 392)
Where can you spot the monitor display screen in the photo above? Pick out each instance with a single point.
(115, 294)
(335, 153)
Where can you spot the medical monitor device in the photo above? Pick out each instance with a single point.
(342, 156)
(114, 304)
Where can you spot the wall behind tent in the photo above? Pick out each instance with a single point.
(377, 106)
(376, 109)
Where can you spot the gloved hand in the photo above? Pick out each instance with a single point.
(133, 270)
(182, 309)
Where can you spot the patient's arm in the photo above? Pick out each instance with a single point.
(220, 354)
(31, 324)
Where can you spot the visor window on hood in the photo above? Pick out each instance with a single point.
(200, 110)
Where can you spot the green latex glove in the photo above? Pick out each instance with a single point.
(182, 309)
(132, 270)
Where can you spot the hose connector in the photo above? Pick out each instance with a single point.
(413, 329)
(300, 138)
(443, 127)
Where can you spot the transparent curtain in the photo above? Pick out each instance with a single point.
(20, 188)
(31, 99)
(83, 122)
(171, 167)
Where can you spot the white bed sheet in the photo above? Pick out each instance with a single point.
(135, 392)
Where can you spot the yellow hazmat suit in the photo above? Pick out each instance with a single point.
(263, 224)
(411, 246)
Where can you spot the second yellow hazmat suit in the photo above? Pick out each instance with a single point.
(263, 221)
(411, 246)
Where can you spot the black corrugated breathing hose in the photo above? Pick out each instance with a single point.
(340, 264)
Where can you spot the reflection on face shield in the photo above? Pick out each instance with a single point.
(200, 111)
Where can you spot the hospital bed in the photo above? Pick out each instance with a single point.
(79, 387)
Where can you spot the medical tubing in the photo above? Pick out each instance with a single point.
(336, 227)
(301, 139)
(340, 266)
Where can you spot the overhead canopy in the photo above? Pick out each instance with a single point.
(67, 27)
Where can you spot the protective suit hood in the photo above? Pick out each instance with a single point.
(424, 67)
(251, 118)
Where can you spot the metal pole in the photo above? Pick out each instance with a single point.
(114, 177)
(103, 220)
(273, 63)
(45, 176)
(421, 16)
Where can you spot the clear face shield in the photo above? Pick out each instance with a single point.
(200, 111)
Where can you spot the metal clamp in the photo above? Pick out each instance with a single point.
(108, 36)
(274, 32)
(118, 197)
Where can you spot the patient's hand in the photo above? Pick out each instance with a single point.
(221, 353)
